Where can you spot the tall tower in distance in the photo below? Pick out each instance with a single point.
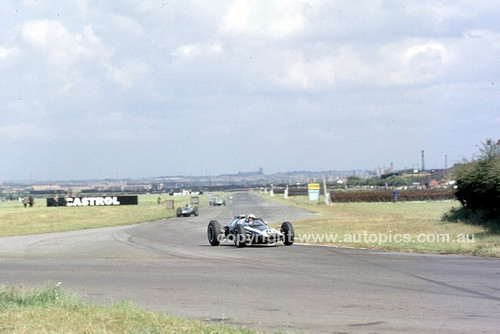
(445, 163)
(423, 161)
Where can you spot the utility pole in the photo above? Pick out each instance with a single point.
(445, 163)
(423, 161)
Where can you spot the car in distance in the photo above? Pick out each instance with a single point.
(244, 234)
(216, 202)
(187, 211)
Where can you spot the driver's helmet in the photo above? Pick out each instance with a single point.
(251, 217)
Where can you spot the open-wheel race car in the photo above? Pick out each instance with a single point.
(245, 231)
(187, 211)
(216, 202)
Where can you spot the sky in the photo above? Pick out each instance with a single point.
(94, 89)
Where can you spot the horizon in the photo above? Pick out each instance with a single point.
(310, 173)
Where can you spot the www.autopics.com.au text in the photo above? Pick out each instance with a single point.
(384, 238)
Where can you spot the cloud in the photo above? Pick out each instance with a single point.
(54, 41)
(318, 74)
(421, 63)
(61, 54)
(127, 74)
(71, 55)
(381, 79)
(6, 52)
(237, 18)
(188, 51)
(127, 25)
(24, 132)
(195, 50)
(430, 52)
(263, 19)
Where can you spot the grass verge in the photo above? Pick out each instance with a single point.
(49, 309)
(18, 220)
(403, 226)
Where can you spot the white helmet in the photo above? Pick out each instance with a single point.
(251, 216)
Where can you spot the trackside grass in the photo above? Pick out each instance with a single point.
(49, 309)
(402, 226)
(17, 220)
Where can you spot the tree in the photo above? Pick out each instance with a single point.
(397, 181)
(478, 182)
(353, 181)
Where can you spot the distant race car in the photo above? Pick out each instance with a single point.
(244, 233)
(187, 211)
(216, 202)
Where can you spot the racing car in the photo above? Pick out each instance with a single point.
(216, 202)
(187, 211)
(244, 232)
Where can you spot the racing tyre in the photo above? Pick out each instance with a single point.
(213, 233)
(179, 212)
(287, 230)
(195, 211)
(240, 236)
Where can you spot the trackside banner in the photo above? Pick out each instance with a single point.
(93, 201)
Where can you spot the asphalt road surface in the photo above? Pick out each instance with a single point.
(169, 266)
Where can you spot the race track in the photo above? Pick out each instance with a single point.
(169, 266)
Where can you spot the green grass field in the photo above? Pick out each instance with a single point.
(402, 226)
(50, 309)
(18, 220)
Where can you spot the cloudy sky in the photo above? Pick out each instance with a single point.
(139, 88)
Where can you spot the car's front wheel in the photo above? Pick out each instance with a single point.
(240, 236)
(213, 233)
(289, 234)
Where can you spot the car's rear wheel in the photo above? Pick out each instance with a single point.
(240, 236)
(213, 233)
(289, 234)
(196, 211)
(179, 212)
